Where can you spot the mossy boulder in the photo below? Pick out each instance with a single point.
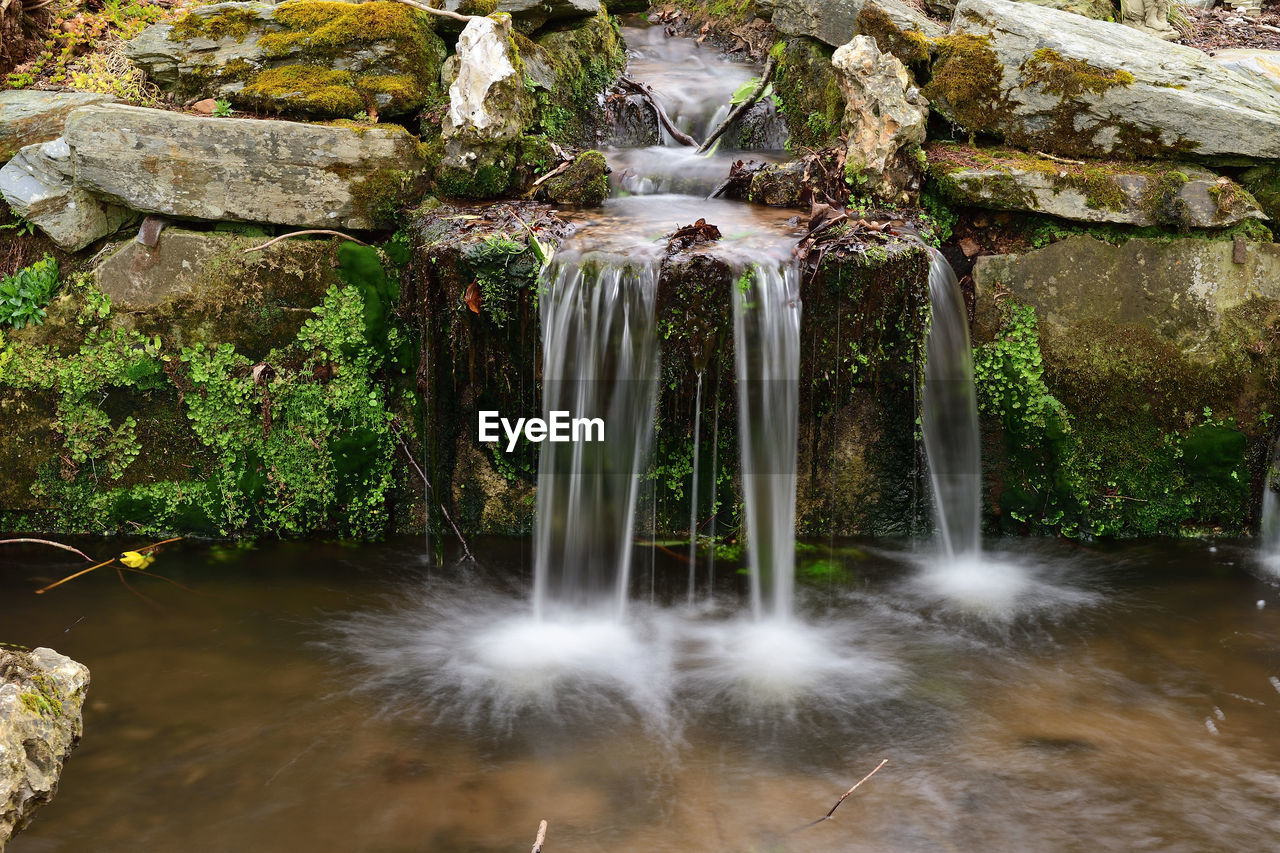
(1128, 390)
(303, 57)
(569, 69)
(834, 22)
(1048, 80)
(808, 91)
(584, 184)
(1173, 195)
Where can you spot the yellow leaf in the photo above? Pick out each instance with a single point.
(134, 560)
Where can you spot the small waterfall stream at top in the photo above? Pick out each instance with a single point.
(950, 417)
(600, 360)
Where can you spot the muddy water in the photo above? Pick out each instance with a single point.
(322, 698)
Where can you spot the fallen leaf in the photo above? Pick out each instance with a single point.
(473, 298)
(137, 560)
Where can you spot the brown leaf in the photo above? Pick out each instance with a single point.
(473, 298)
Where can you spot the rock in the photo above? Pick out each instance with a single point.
(29, 116)
(489, 108)
(1099, 10)
(836, 21)
(630, 122)
(37, 185)
(201, 288)
(304, 57)
(884, 119)
(1148, 16)
(584, 184)
(1260, 66)
(1172, 195)
(1263, 182)
(41, 698)
(1048, 80)
(778, 185)
(205, 107)
(808, 93)
(531, 15)
(284, 173)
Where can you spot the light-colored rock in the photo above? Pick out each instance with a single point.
(381, 57)
(1052, 81)
(1148, 16)
(1184, 290)
(37, 185)
(1099, 10)
(836, 21)
(41, 698)
(487, 95)
(883, 115)
(282, 172)
(28, 116)
(1260, 66)
(1175, 195)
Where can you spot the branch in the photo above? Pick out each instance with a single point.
(466, 552)
(300, 234)
(734, 114)
(46, 542)
(444, 13)
(542, 836)
(846, 794)
(643, 90)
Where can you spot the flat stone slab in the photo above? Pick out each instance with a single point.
(1052, 81)
(28, 116)
(1260, 66)
(1174, 195)
(835, 22)
(280, 172)
(37, 184)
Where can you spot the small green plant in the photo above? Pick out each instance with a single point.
(361, 117)
(25, 227)
(222, 108)
(24, 294)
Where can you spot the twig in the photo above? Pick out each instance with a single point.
(734, 114)
(1048, 156)
(146, 549)
(556, 171)
(444, 13)
(466, 552)
(643, 90)
(46, 542)
(542, 836)
(301, 233)
(846, 794)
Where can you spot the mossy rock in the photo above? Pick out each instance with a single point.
(567, 71)
(303, 57)
(808, 92)
(584, 184)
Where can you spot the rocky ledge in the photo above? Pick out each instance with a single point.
(41, 697)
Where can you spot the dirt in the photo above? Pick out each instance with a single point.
(1220, 29)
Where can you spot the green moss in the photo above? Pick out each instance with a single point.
(383, 194)
(584, 184)
(310, 89)
(489, 181)
(808, 95)
(318, 26)
(585, 61)
(234, 23)
(967, 83)
(39, 703)
(910, 46)
(1070, 78)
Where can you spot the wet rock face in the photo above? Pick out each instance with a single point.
(285, 173)
(835, 21)
(305, 57)
(1174, 195)
(884, 119)
(28, 116)
(1052, 81)
(41, 697)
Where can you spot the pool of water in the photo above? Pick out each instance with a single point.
(319, 697)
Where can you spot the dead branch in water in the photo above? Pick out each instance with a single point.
(737, 112)
(643, 90)
(144, 551)
(46, 542)
(855, 787)
(466, 551)
(542, 836)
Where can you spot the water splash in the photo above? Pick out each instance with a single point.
(600, 360)
(950, 417)
(766, 322)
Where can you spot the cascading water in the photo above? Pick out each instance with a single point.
(950, 417)
(1269, 532)
(600, 360)
(766, 318)
(693, 494)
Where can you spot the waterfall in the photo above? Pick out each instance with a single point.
(1269, 532)
(950, 417)
(600, 360)
(766, 323)
(693, 494)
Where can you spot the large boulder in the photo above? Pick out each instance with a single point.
(284, 173)
(1174, 195)
(41, 698)
(305, 57)
(530, 15)
(834, 22)
(38, 185)
(884, 119)
(28, 116)
(1052, 81)
(1099, 10)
